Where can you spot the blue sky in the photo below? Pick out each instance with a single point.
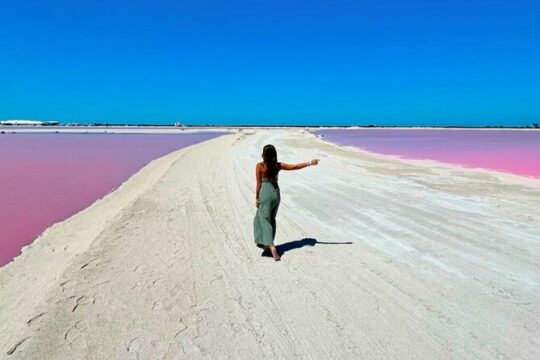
(271, 62)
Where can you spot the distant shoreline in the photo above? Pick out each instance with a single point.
(170, 129)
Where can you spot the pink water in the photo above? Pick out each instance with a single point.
(511, 151)
(45, 178)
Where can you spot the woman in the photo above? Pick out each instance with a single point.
(268, 197)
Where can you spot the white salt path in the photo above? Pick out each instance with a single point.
(428, 262)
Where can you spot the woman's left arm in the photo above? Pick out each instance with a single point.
(258, 176)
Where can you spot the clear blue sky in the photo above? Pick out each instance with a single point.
(460, 62)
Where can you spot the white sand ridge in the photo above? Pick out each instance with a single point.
(444, 263)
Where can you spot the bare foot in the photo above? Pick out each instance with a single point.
(274, 252)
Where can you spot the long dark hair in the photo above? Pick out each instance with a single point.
(270, 159)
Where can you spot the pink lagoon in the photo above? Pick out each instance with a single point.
(45, 178)
(510, 151)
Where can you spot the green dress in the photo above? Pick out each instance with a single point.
(264, 224)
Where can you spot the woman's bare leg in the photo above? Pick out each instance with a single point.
(274, 252)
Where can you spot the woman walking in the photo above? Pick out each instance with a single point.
(268, 197)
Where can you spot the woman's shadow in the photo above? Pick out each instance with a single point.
(297, 244)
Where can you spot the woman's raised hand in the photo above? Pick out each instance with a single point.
(315, 162)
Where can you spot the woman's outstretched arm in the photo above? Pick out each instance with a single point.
(285, 166)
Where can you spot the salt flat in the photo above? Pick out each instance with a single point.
(384, 259)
